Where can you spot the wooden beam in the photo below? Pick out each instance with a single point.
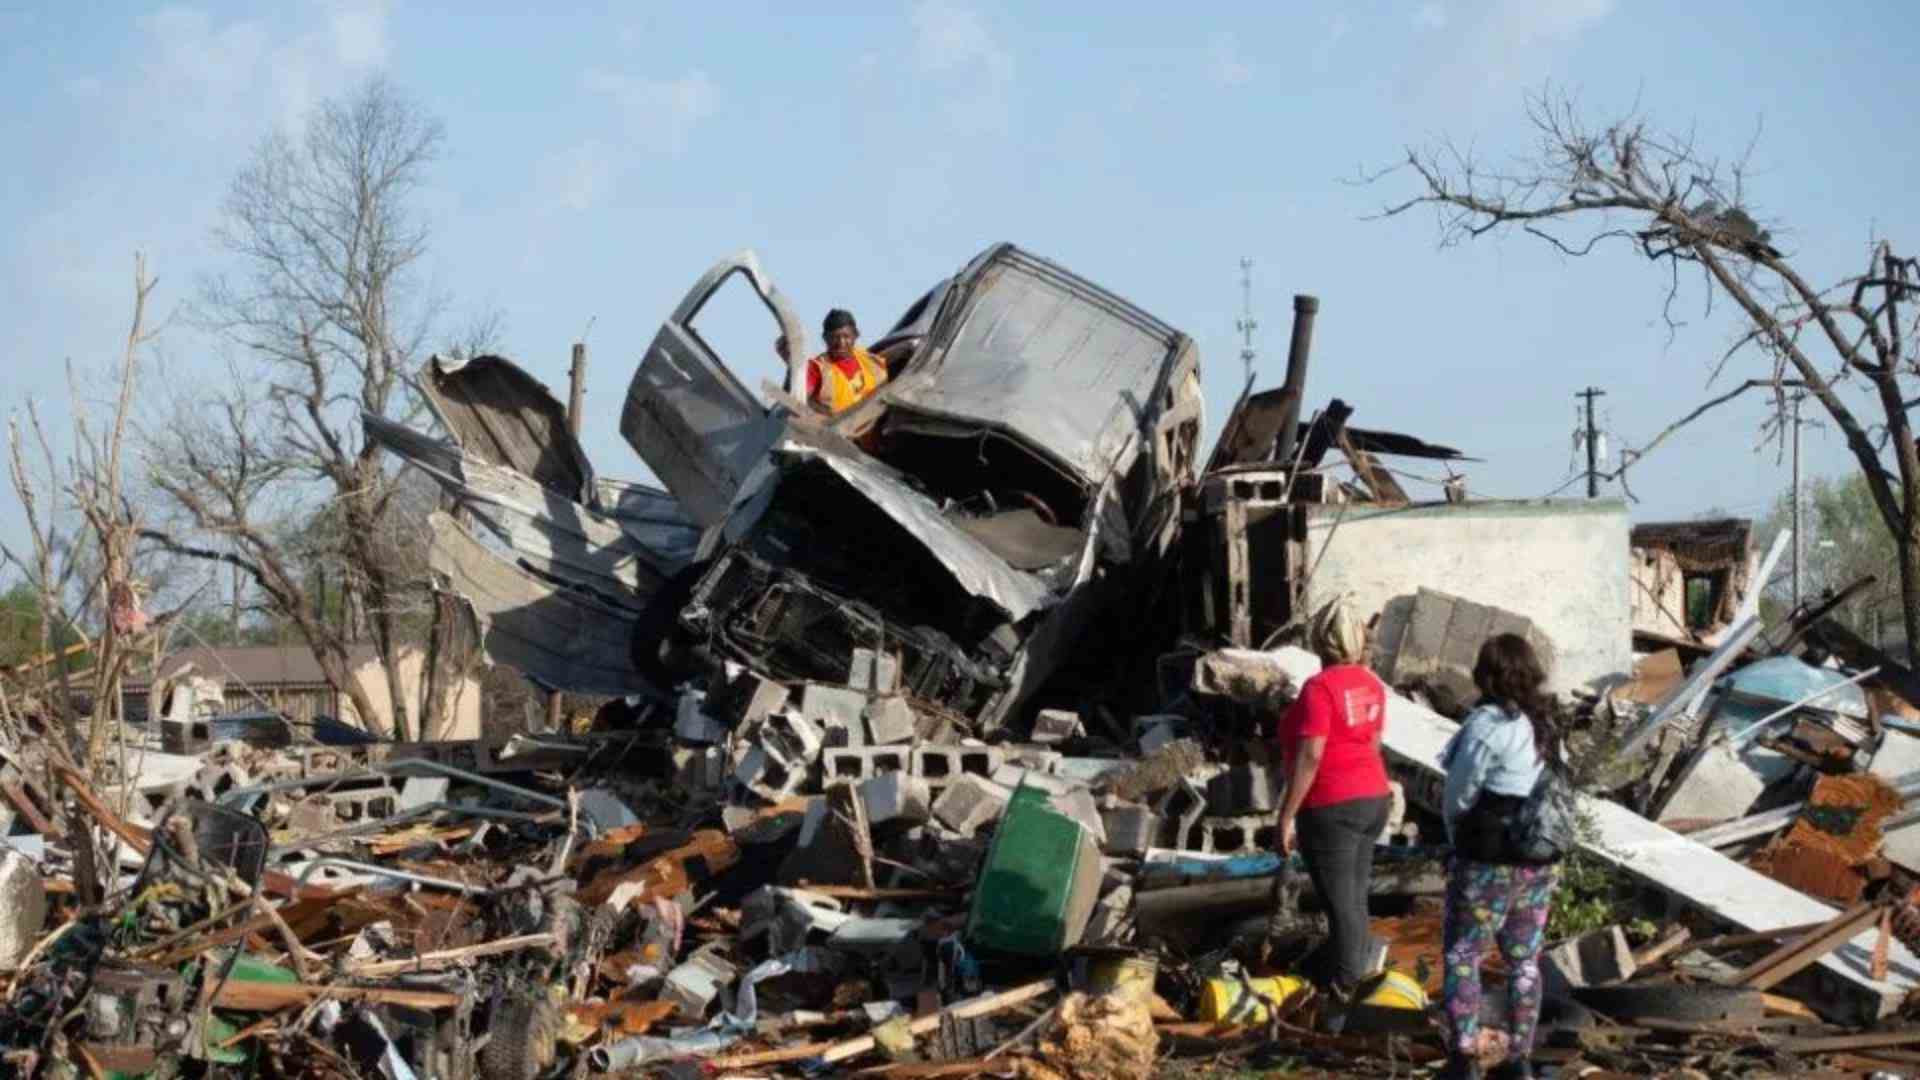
(1795, 956)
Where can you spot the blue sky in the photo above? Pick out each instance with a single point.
(597, 161)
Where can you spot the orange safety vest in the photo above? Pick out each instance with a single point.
(840, 392)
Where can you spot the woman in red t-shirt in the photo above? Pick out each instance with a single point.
(1337, 800)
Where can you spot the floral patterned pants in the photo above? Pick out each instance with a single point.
(1508, 905)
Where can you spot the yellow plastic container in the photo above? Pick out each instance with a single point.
(1398, 990)
(1228, 1001)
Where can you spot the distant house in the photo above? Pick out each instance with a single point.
(288, 679)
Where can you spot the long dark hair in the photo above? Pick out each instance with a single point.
(1509, 672)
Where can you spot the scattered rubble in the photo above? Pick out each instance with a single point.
(939, 750)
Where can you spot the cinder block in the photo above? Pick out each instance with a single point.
(1244, 789)
(855, 764)
(1054, 726)
(1131, 830)
(889, 720)
(1012, 776)
(896, 797)
(970, 802)
(832, 706)
(1078, 804)
(1233, 835)
(1592, 959)
(874, 672)
(940, 765)
(747, 698)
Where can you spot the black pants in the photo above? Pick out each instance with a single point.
(1337, 843)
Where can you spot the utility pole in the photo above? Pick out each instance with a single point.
(1246, 324)
(576, 406)
(1593, 442)
(1796, 500)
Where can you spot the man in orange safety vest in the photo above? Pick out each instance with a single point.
(846, 374)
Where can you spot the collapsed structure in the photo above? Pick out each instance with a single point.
(939, 735)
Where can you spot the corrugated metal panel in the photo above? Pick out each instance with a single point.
(504, 416)
(556, 636)
(624, 559)
(1051, 358)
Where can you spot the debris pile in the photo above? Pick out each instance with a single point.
(938, 747)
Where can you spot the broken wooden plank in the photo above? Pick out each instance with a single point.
(270, 996)
(830, 1052)
(1795, 956)
(1665, 947)
(1869, 1040)
(448, 957)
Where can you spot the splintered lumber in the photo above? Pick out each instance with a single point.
(1797, 955)
(1663, 948)
(831, 1052)
(246, 996)
(448, 957)
(1676, 865)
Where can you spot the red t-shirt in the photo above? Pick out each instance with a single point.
(849, 366)
(1347, 705)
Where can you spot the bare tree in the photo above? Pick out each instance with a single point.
(82, 528)
(1850, 345)
(328, 308)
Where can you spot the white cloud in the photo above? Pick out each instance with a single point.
(1481, 60)
(1337, 27)
(659, 115)
(1228, 67)
(359, 33)
(576, 178)
(952, 43)
(222, 77)
(1430, 16)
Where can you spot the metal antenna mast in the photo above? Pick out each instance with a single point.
(1246, 324)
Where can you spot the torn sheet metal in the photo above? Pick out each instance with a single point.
(623, 559)
(1057, 361)
(973, 565)
(504, 416)
(559, 637)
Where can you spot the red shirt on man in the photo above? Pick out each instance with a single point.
(1346, 705)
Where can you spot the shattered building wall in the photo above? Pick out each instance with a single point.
(1689, 577)
(1563, 564)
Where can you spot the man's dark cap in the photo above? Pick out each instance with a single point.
(838, 318)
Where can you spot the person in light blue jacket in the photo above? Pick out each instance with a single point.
(1493, 763)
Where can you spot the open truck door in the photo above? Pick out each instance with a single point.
(694, 423)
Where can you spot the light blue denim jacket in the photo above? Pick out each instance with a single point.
(1492, 751)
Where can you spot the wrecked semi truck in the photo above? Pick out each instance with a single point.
(1011, 486)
